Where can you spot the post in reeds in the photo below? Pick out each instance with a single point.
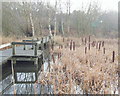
(113, 56)
(58, 56)
(93, 44)
(103, 44)
(63, 39)
(53, 58)
(89, 38)
(99, 45)
(73, 45)
(82, 40)
(85, 50)
(104, 50)
(89, 46)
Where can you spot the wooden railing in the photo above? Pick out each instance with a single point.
(36, 43)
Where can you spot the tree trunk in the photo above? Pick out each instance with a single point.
(55, 28)
(32, 25)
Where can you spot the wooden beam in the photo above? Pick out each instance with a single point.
(22, 43)
(5, 45)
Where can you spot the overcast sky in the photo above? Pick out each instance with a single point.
(106, 5)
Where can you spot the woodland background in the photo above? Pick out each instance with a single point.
(16, 20)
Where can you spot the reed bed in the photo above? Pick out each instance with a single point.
(83, 67)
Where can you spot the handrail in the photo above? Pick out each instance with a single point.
(23, 43)
(5, 45)
(30, 40)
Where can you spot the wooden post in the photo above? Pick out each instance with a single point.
(63, 39)
(13, 75)
(89, 39)
(89, 46)
(13, 49)
(35, 50)
(99, 45)
(42, 45)
(58, 56)
(82, 40)
(49, 55)
(53, 58)
(113, 56)
(32, 44)
(24, 46)
(103, 44)
(93, 44)
(104, 50)
(85, 50)
(49, 63)
(73, 45)
(36, 62)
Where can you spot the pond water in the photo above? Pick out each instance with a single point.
(23, 88)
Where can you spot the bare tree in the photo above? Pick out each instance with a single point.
(55, 26)
(29, 17)
(68, 12)
(48, 7)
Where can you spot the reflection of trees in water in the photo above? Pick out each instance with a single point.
(25, 89)
(25, 77)
(7, 88)
(28, 88)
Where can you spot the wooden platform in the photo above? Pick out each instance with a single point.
(28, 57)
(6, 54)
(5, 57)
